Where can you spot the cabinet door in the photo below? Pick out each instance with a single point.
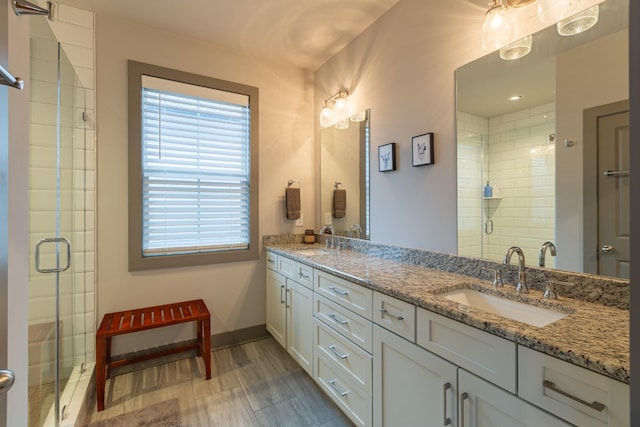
(300, 324)
(411, 386)
(276, 311)
(484, 405)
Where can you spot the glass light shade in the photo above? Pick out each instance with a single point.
(580, 22)
(326, 116)
(517, 49)
(360, 117)
(552, 11)
(497, 29)
(342, 124)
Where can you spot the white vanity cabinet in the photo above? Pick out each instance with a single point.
(343, 343)
(412, 387)
(482, 404)
(290, 308)
(582, 397)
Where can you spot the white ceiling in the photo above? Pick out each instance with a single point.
(305, 33)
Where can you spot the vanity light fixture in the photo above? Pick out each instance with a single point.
(497, 29)
(342, 124)
(517, 49)
(334, 108)
(580, 22)
(360, 117)
(498, 26)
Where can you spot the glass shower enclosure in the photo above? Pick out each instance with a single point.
(60, 270)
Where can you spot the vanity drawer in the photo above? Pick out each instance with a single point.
(272, 261)
(488, 356)
(355, 328)
(354, 297)
(579, 396)
(357, 405)
(397, 316)
(345, 355)
(297, 271)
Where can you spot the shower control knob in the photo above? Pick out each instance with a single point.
(606, 249)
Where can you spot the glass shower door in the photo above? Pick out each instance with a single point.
(57, 200)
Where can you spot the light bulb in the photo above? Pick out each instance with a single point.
(497, 29)
(552, 11)
(326, 116)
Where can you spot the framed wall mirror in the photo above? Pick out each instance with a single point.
(549, 134)
(344, 176)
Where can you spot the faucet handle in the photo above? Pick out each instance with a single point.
(550, 289)
(497, 277)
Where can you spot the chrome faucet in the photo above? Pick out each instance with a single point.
(357, 229)
(329, 227)
(543, 250)
(521, 288)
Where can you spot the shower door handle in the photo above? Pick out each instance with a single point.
(53, 240)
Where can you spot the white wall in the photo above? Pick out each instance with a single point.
(235, 293)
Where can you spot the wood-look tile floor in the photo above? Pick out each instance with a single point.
(255, 384)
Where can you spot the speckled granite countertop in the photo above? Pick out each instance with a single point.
(592, 336)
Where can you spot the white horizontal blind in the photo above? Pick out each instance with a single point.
(195, 169)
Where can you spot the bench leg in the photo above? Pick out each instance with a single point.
(101, 360)
(204, 330)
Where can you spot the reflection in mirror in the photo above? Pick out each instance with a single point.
(344, 176)
(532, 170)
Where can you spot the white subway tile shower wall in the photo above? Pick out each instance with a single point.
(74, 29)
(520, 165)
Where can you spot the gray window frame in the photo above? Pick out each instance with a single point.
(137, 261)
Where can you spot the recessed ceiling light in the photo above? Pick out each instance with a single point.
(515, 98)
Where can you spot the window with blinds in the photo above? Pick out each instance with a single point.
(195, 168)
(195, 172)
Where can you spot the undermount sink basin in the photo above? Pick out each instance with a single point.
(312, 252)
(525, 313)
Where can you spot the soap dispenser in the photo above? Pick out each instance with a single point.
(488, 191)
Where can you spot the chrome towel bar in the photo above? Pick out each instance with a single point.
(8, 80)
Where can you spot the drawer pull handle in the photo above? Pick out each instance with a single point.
(446, 387)
(593, 405)
(287, 305)
(332, 383)
(385, 311)
(463, 397)
(337, 353)
(339, 291)
(334, 317)
(281, 298)
(271, 261)
(301, 275)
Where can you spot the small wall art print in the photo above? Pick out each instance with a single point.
(387, 157)
(422, 149)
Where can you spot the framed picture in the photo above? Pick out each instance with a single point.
(387, 157)
(423, 149)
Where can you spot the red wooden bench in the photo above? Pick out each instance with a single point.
(125, 322)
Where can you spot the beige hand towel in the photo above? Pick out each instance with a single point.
(339, 203)
(292, 196)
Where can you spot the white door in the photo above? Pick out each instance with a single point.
(613, 194)
(411, 386)
(482, 404)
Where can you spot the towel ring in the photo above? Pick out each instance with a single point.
(292, 181)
